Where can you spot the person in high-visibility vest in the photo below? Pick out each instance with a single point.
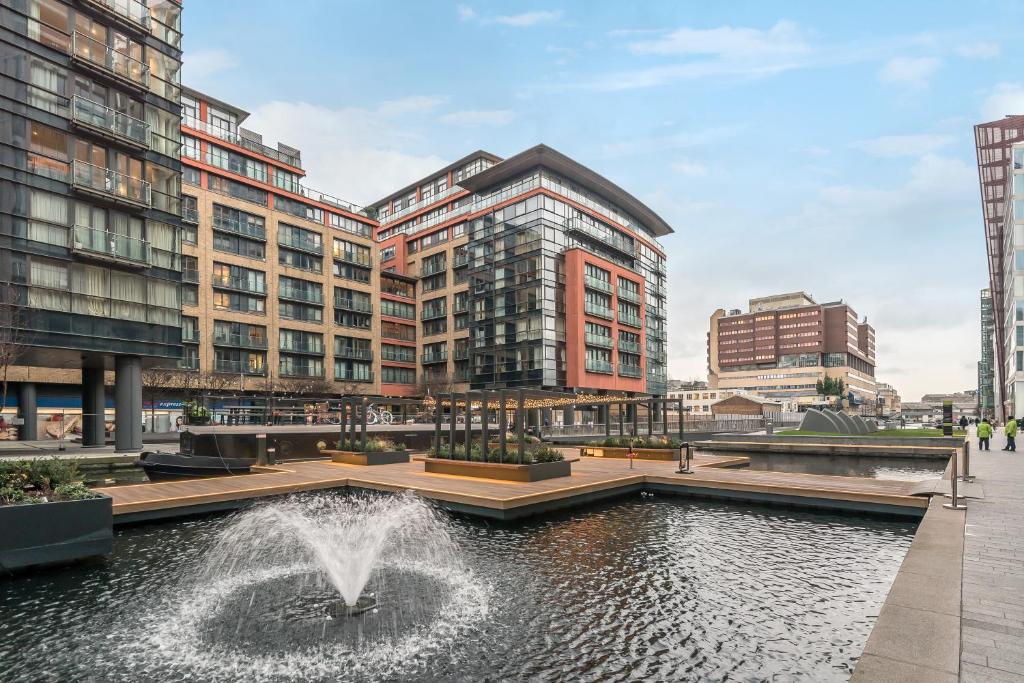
(984, 434)
(1011, 433)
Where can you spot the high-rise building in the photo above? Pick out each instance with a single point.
(531, 271)
(999, 167)
(986, 395)
(89, 257)
(784, 344)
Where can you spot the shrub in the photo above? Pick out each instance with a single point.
(74, 491)
(42, 480)
(537, 455)
(641, 442)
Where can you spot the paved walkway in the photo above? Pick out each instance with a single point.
(992, 599)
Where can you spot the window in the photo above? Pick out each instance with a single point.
(190, 147)
(350, 252)
(397, 309)
(239, 222)
(301, 366)
(347, 271)
(235, 189)
(353, 347)
(300, 238)
(390, 330)
(297, 340)
(233, 244)
(299, 260)
(190, 176)
(48, 23)
(292, 310)
(239, 334)
(387, 253)
(232, 301)
(300, 290)
(398, 354)
(190, 295)
(297, 208)
(347, 370)
(286, 180)
(346, 318)
(349, 225)
(393, 375)
(432, 327)
(433, 282)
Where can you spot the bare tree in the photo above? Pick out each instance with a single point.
(15, 339)
(435, 384)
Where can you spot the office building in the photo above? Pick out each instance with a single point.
(90, 255)
(1000, 155)
(784, 344)
(889, 402)
(986, 393)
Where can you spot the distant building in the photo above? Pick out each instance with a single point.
(888, 401)
(747, 405)
(986, 393)
(964, 403)
(786, 343)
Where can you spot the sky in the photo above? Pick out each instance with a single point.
(823, 147)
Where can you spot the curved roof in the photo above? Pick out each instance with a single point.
(542, 155)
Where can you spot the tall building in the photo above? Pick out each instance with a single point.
(986, 395)
(531, 271)
(89, 248)
(998, 169)
(784, 344)
(889, 402)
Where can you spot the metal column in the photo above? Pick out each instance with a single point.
(127, 403)
(94, 402)
(27, 410)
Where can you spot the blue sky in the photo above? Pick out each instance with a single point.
(817, 146)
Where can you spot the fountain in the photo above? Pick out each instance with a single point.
(314, 585)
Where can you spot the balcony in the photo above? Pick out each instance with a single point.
(307, 295)
(346, 375)
(460, 354)
(630, 370)
(598, 310)
(307, 370)
(631, 320)
(599, 340)
(433, 313)
(601, 366)
(605, 237)
(629, 347)
(245, 341)
(627, 295)
(461, 259)
(234, 138)
(428, 268)
(109, 123)
(190, 214)
(355, 305)
(656, 334)
(131, 13)
(404, 356)
(435, 357)
(656, 311)
(239, 283)
(415, 206)
(353, 258)
(239, 367)
(353, 353)
(462, 307)
(300, 242)
(106, 61)
(107, 246)
(240, 226)
(109, 184)
(310, 347)
(190, 275)
(404, 292)
(597, 284)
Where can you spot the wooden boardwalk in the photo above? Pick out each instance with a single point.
(592, 479)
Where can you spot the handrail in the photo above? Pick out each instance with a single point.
(295, 161)
(99, 115)
(132, 10)
(111, 182)
(117, 63)
(415, 206)
(100, 241)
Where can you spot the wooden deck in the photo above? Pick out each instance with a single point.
(592, 479)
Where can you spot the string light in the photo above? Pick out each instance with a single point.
(582, 400)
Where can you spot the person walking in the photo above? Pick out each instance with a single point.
(1011, 434)
(984, 434)
(963, 422)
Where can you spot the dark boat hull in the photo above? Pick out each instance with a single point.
(165, 466)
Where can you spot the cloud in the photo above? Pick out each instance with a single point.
(889, 146)
(689, 168)
(564, 54)
(1004, 99)
(521, 20)
(978, 51)
(912, 72)
(339, 145)
(657, 144)
(415, 104)
(479, 117)
(783, 38)
(200, 65)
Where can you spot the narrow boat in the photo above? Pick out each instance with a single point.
(163, 466)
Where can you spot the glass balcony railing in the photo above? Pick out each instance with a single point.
(353, 353)
(403, 356)
(109, 121)
(630, 370)
(415, 206)
(435, 357)
(300, 242)
(132, 11)
(99, 242)
(114, 63)
(598, 284)
(631, 320)
(628, 295)
(240, 283)
(352, 257)
(310, 345)
(346, 375)
(312, 370)
(461, 259)
(605, 237)
(433, 267)
(240, 226)
(239, 340)
(629, 347)
(307, 295)
(599, 340)
(234, 138)
(601, 366)
(239, 367)
(356, 305)
(598, 310)
(656, 334)
(431, 313)
(190, 214)
(110, 183)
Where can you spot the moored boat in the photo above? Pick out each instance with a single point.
(162, 466)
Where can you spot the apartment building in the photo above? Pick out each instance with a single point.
(986, 369)
(279, 281)
(785, 343)
(889, 401)
(89, 248)
(531, 271)
(1000, 150)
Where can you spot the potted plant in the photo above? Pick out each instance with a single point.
(538, 461)
(375, 452)
(196, 413)
(643, 448)
(49, 516)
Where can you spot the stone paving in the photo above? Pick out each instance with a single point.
(992, 596)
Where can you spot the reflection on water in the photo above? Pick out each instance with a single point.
(648, 588)
(874, 467)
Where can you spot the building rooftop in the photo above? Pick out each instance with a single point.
(450, 167)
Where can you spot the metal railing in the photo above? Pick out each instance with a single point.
(599, 340)
(190, 214)
(240, 340)
(415, 206)
(345, 375)
(234, 138)
(238, 367)
(117, 64)
(461, 259)
(604, 236)
(355, 305)
(351, 353)
(432, 267)
(394, 357)
(631, 320)
(630, 370)
(300, 242)
(240, 226)
(103, 118)
(190, 335)
(110, 183)
(598, 284)
(308, 295)
(432, 313)
(350, 257)
(629, 347)
(601, 366)
(133, 11)
(242, 284)
(598, 310)
(120, 247)
(435, 357)
(629, 295)
(313, 347)
(190, 275)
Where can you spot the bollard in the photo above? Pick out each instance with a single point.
(967, 477)
(954, 504)
(684, 459)
(261, 450)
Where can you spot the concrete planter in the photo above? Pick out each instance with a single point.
(52, 533)
(502, 471)
(369, 458)
(666, 454)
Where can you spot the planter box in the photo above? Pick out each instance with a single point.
(52, 533)
(667, 454)
(493, 470)
(371, 458)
